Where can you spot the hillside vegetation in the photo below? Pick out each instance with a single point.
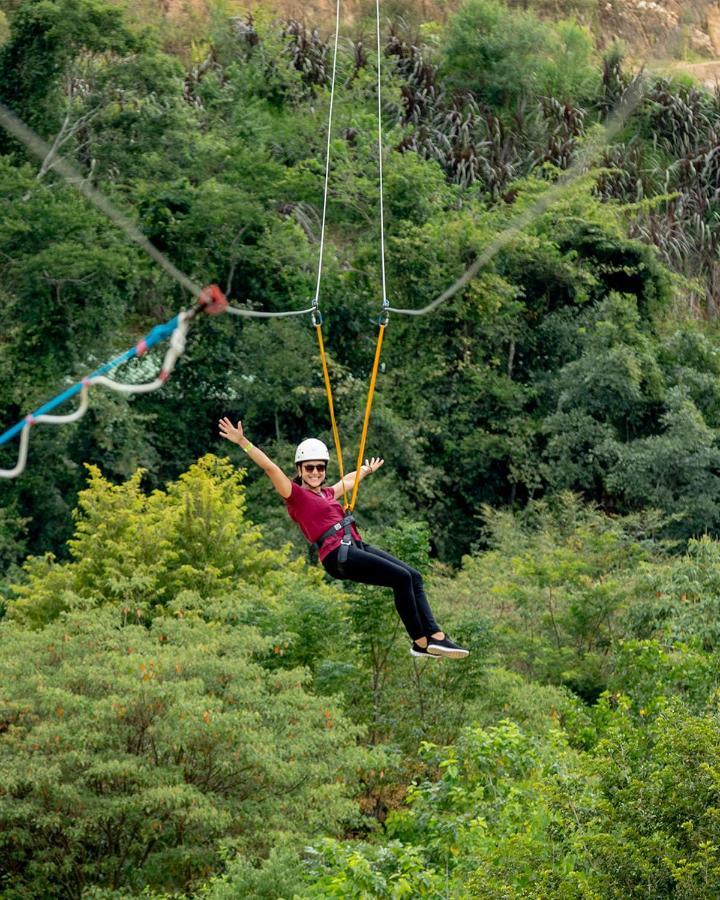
(648, 30)
(187, 707)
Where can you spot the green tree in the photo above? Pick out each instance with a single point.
(130, 756)
(554, 587)
(675, 471)
(502, 55)
(148, 551)
(73, 279)
(652, 829)
(45, 37)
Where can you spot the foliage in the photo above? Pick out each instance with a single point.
(147, 552)
(401, 699)
(638, 832)
(45, 37)
(220, 160)
(161, 745)
(482, 829)
(499, 54)
(490, 372)
(513, 816)
(680, 599)
(268, 746)
(554, 586)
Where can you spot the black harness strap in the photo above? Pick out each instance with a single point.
(346, 542)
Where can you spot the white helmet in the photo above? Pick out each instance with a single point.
(312, 448)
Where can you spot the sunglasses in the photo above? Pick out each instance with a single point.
(311, 467)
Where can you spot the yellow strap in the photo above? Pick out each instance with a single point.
(368, 407)
(336, 435)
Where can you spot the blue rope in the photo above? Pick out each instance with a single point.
(158, 334)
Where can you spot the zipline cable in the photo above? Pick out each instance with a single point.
(257, 314)
(380, 156)
(614, 123)
(316, 299)
(42, 150)
(315, 310)
(384, 315)
(210, 299)
(74, 177)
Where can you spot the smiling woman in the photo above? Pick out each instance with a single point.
(342, 551)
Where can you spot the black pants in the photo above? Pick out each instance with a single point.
(368, 565)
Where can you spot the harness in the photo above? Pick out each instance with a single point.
(345, 544)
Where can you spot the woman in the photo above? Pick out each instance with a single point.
(342, 551)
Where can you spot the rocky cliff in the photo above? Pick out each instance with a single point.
(662, 28)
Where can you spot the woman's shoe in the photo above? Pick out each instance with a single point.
(417, 650)
(446, 647)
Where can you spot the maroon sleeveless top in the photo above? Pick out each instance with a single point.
(315, 513)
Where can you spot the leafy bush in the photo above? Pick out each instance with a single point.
(502, 55)
(148, 551)
(554, 586)
(510, 815)
(130, 756)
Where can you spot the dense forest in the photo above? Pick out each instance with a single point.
(188, 707)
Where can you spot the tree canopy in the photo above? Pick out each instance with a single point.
(187, 708)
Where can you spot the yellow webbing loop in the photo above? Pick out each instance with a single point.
(336, 434)
(368, 407)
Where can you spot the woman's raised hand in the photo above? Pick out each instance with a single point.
(231, 432)
(374, 464)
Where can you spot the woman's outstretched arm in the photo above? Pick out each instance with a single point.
(371, 465)
(235, 433)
